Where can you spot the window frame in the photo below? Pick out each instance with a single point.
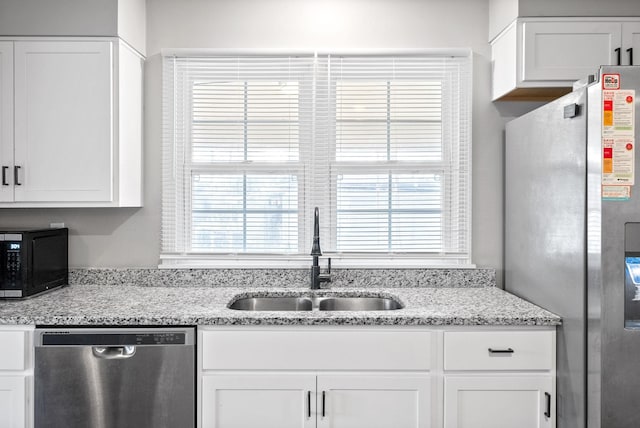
(176, 259)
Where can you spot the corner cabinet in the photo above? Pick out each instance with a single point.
(71, 123)
(376, 377)
(541, 58)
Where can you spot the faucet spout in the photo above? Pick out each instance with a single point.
(316, 252)
(315, 248)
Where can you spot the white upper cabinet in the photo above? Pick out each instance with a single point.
(540, 58)
(77, 124)
(6, 120)
(631, 37)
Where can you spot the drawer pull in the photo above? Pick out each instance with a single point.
(501, 351)
(547, 411)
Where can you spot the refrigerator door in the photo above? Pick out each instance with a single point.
(545, 241)
(616, 364)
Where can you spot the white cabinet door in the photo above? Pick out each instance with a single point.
(374, 401)
(559, 50)
(631, 43)
(260, 401)
(498, 402)
(63, 121)
(12, 401)
(6, 121)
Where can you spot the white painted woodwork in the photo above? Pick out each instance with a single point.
(63, 121)
(12, 354)
(568, 50)
(317, 349)
(497, 401)
(13, 405)
(532, 350)
(545, 54)
(6, 119)
(258, 400)
(631, 39)
(129, 107)
(374, 401)
(74, 123)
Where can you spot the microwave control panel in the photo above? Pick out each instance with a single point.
(12, 264)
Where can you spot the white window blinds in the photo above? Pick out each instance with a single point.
(381, 143)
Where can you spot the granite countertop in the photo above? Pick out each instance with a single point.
(96, 305)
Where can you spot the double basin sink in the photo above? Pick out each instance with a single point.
(316, 303)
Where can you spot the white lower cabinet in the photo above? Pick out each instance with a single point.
(281, 400)
(375, 377)
(499, 401)
(16, 377)
(374, 401)
(286, 400)
(13, 401)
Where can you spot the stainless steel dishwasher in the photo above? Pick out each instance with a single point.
(115, 378)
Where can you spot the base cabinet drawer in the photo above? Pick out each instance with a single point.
(499, 350)
(499, 402)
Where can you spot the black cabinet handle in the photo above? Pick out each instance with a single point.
(618, 52)
(308, 404)
(630, 52)
(323, 403)
(547, 398)
(4, 175)
(501, 351)
(16, 181)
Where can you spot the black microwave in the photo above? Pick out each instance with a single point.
(33, 261)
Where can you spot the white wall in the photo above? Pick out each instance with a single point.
(130, 237)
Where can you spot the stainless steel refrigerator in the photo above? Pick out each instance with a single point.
(572, 241)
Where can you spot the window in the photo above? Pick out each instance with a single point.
(252, 143)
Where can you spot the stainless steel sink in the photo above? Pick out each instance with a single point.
(278, 303)
(359, 304)
(316, 303)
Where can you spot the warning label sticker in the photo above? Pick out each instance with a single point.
(616, 193)
(618, 137)
(611, 81)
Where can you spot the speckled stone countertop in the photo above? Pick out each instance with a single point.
(97, 305)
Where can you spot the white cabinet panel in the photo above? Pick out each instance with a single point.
(498, 350)
(13, 347)
(6, 120)
(63, 121)
(374, 401)
(568, 50)
(631, 43)
(281, 349)
(498, 402)
(258, 400)
(12, 402)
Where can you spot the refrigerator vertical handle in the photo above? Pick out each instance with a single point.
(630, 52)
(547, 404)
(618, 52)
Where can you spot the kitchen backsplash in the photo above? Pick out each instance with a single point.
(294, 278)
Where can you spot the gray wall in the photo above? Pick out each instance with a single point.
(130, 237)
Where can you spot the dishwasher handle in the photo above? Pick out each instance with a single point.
(113, 352)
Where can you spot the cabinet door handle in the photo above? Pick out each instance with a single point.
(4, 175)
(16, 171)
(501, 351)
(323, 403)
(308, 404)
(630, 52)
(618, 52)
(547, 399)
